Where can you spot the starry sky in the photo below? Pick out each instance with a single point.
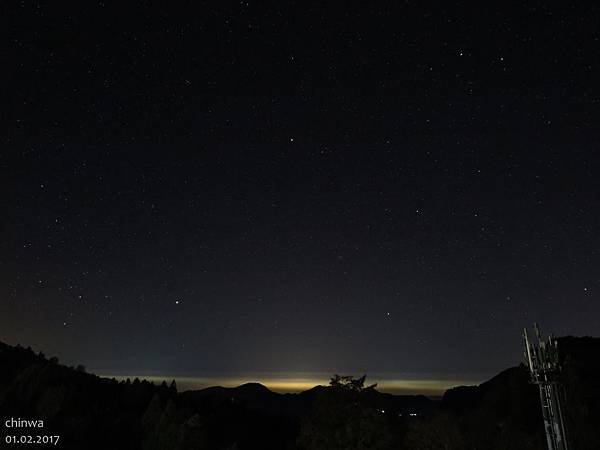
(281, 187)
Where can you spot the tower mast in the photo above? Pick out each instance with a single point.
(542, 360)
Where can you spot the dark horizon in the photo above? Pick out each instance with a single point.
(400, 383)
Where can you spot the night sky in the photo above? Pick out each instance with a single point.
(273, 187)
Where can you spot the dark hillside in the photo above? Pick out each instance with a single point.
(580, 358)
(98, 413)
(85, 410)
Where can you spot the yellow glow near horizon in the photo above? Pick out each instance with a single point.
(285, 384)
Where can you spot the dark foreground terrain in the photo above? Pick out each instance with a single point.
(90, 412)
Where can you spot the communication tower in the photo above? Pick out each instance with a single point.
(542, 359)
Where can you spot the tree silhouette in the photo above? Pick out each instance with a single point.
(344, 419)
(349, 383)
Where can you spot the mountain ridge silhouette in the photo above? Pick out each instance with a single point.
(502, 412)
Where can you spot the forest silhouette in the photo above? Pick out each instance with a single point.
(90, 412)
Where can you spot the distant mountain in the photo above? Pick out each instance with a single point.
(98, 413)
(257, 397)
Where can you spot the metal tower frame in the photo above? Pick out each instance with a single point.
(542, 359)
